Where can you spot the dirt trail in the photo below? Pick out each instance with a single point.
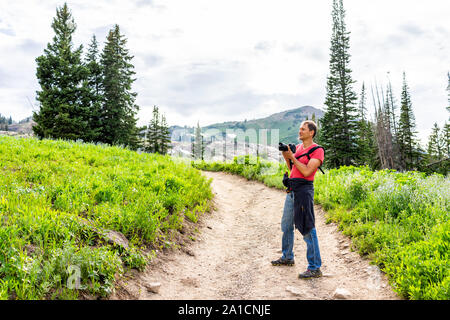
(230, 257)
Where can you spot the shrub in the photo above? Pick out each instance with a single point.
(57, 196)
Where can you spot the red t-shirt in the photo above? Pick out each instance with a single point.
(317, 154)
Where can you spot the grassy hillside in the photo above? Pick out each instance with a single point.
(400, 220)
(66, 209)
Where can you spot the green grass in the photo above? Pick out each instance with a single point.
(400, 220)
(55, 197)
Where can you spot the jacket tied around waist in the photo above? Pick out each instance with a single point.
(303, 191)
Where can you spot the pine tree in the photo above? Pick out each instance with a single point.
(391, 107)
(165, 136)
(374, 159)
(446, 130)
(62, 78)
(448, 91)
(3, 123)
(95, 94)
(362, 103)
(406, 130)
(436, 145)
(339, 124)
(437, 158)
(119, 108)
(365, 131)
(153, 133)
(198, 146)
(446, 139)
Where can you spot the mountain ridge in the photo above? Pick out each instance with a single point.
(287, 121)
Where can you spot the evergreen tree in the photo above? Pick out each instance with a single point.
(406, 130)
(362, 103)
(95, 95)
(391, 107)
(435, 144)
(339, 124)
(374, 159)
(366, 151)
(446, 139)
(153, 133)
(5, 123)
(448, 91)
(62, 76)
(119, 108)
(446, 131)
(165, 136)
(198, 146)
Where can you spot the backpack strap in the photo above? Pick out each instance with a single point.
(308, 155)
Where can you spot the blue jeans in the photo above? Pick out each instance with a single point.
(287, 241)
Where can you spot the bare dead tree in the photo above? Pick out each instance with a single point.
(383, 132)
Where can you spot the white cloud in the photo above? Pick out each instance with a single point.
(219, 60)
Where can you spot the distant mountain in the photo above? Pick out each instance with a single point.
(288, 123)
(23, 127)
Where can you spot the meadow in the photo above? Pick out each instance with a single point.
(398, 220)
(60, 201)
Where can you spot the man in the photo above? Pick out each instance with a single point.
(300, 211)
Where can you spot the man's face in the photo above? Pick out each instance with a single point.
(304, 132)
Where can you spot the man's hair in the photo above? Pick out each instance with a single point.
(311, 126)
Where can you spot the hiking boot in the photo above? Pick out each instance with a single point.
(308, 274)
(283, 262)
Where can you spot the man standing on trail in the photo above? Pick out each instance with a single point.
(299, 204)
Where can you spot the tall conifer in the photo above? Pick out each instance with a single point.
(118, 114)
(165, 136)
(407, 140)
(62, 110)
(446, 130)
(153, 133)
(198, 145)
(436, 145)
(366, 150)
(339, 124)
(95, 94)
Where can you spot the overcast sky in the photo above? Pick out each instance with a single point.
(214, 61)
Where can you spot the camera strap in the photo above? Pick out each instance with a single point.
(308, 155)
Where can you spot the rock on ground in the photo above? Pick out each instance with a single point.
(342, 293)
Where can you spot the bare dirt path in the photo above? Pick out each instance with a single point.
(230, 257)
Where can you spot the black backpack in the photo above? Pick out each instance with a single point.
(308, 155)
(286, 177)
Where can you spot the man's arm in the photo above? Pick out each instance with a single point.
(305, 170)
(288, 162)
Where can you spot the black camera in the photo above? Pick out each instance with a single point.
(284, 147)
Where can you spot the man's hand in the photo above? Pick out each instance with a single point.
(288, 155)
